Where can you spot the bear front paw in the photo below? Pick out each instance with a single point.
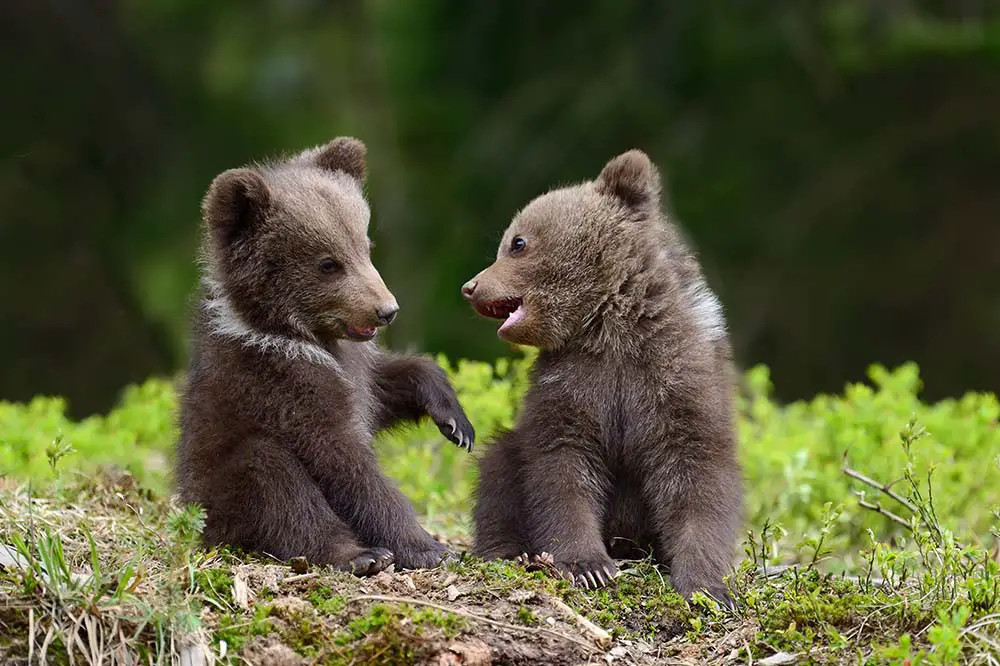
(454, 425)
(369, 562)
(721, 594)
(588, 572)
(716, 590)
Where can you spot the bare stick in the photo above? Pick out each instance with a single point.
(877, 508)
(883, 487)
(473, 616)
(31, 634)
(299, 577)
(601, 637)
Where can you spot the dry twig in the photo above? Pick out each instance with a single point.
(879, 509)
(600, 636)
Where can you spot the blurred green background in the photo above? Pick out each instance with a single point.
(836, 164)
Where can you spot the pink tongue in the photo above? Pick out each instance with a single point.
(363, 332)
(514, 317)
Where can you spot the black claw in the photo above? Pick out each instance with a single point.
(370, 562)
(721, 595)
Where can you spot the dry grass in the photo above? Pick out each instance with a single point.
(102, 572)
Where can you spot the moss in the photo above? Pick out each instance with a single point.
(306, 634)
(237, 630)
(504, 576)
(375, 620)
(801, 445)
(639, 604)
(380, 636)
(325, 601)
(382, 649)
(526, 616)
(215, 583)
(450, 624)
(797, 611)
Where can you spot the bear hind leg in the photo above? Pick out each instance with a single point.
(265, 501)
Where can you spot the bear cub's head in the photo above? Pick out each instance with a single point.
(287, 246)
(570, 253)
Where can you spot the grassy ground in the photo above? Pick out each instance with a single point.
(885, 556)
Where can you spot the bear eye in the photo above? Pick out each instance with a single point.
(328, 265)
(517, 244)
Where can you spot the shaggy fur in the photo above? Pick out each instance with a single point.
(286, 387)
(626, 443)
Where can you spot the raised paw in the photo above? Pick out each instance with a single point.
(589, 573)
(369, 562)
(454, 425)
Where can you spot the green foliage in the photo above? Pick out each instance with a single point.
(235, 631)
(436, 475)
(794, 457)
(870, 519)
(138, 436)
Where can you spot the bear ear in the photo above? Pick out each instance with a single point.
(631, 177)
(345, 154)
(235, 200)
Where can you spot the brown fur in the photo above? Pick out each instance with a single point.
(282, 398)
(626, 442)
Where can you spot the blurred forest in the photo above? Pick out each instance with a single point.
(836, 163)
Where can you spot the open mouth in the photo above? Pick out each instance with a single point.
(360, 334)
(509, 309)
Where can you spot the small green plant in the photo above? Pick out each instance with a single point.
(527, 616)
(870, 520)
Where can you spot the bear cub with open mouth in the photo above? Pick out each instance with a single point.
(286, 386)
(626, 442)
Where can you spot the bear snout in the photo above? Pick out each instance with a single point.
(386, 313)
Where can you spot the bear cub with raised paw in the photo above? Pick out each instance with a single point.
(287, 387)
(626, 443)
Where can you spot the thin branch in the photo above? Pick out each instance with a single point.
(892, 483)
(598, 634)
(472, 616)
(877, 508)
(885, 488)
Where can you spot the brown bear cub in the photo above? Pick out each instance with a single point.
(626, 442)
(287, 387)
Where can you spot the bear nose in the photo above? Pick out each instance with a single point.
(387, 313)
(469, 288)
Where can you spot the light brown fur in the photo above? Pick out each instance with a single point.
(626, 442)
